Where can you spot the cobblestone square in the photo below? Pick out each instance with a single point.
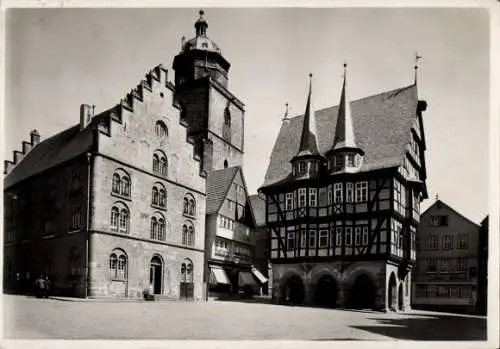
(32, 318)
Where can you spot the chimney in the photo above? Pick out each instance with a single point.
(86, 114)
(35, 137)
(18, 156)
(8, 166)
(26, 147)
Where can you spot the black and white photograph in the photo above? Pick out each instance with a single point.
(219, 173)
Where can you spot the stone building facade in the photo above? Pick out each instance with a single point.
(115, 206)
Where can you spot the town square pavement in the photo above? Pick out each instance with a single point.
(58, 318)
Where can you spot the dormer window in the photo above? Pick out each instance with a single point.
(339, 162)
(351, 160)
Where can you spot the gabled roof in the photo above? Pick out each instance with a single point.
(218, 184)
(259, 209)
(51, 152)
(430, 208)
(382, 125)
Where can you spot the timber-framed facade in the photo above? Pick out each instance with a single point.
(342, 217)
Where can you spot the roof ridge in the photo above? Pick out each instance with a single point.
(452, 209)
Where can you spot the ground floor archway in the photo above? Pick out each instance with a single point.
(392, 292)
(325, 292)
(363, 293)
(156, 274)
(293, 290)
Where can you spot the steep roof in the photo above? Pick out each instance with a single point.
(309, 137)
(259, 209)
(51, 152)
(382, 125)
(218, 184)
(344, 132)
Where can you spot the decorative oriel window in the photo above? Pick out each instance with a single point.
(188, 234)
(121, 183)
(313, 197)
(337, 193)
(302, 197)
(158, 229)
(160, 163)
(189, 205)
(161, 129)
(118, 265)
(362, 191)
(120, 218)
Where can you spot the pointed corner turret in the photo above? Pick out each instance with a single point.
(308, 160)
(345, 155)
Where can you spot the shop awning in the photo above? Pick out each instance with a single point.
(246, 279)
(259, 275)
(218, 276)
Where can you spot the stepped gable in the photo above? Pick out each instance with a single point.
(73, 142)
(381, 122)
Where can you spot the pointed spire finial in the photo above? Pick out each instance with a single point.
(417, 58)
(201, 14)
(286, 110)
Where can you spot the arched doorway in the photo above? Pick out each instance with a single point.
(293, 290)
(400, 297)
(325, 293)
(156, 274)
(392, 294)
(363, 293)
(187, 283)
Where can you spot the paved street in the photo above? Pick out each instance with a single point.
(31, 318)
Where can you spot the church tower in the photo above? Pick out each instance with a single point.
(213, 115)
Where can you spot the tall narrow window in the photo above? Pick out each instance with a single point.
(312, 238)
(349, 191)
(291, 241)
(323, 238)
(116, 183)
(362, 191)
(115, 214)
(365, 235)
(313, 198)
(226, 129)
(330, 195)
(162, 198)
(124, 220)
(161, 129)
(289, 201)
(337, 192)
(125, 186)
(339, 233)
(156, 163)
(154, 228)
(118, 265)
(154, 196)
(357, 236)
(302, 197)
(348, 236)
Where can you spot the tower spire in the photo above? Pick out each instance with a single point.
(344, 130)
(309, 137)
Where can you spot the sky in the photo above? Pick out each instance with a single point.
(57, 59)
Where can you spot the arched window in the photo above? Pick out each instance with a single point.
(118, 265)
(163, 166)
(187, 271)
(226, 128)
(161, 129)
(189, 207)
(121, 183)
(125, 186)
(124, 220)
(155, 196)
(154, 228)
(161, 229)
(162, 198)
(192, 207)
(188, 234)
(156, 163)
(158, 231)
(160, 163)
(225, 164)
(116, 183)
(115, 214)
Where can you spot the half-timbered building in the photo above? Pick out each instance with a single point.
(343, 189)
